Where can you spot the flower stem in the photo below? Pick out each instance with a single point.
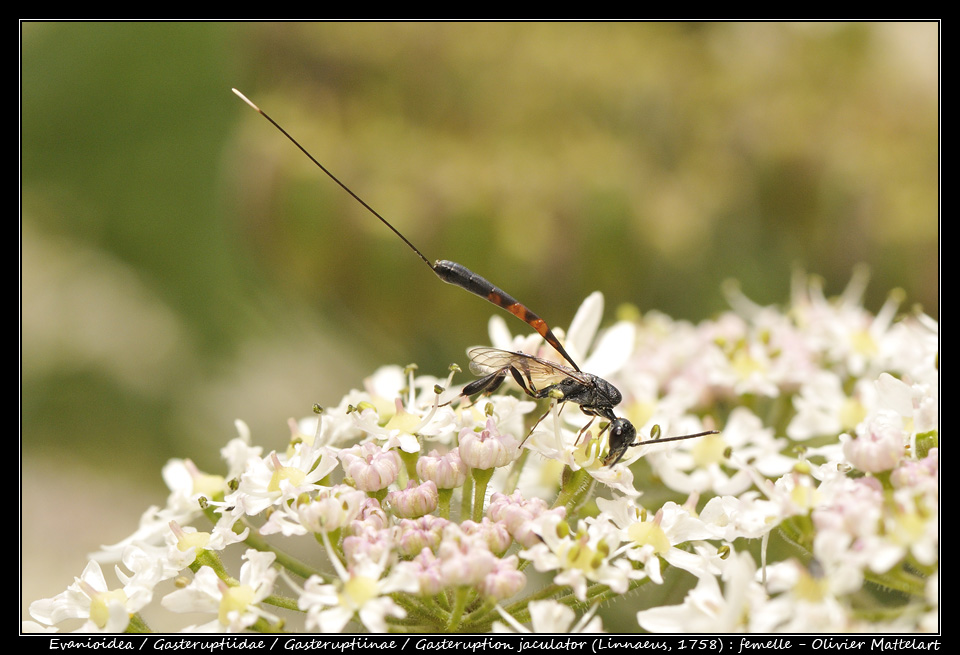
(481, 477)
(137, 625)
(453, 621)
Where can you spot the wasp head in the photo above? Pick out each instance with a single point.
(622, 436)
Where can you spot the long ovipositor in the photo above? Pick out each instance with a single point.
(461, 276)
(450, 272)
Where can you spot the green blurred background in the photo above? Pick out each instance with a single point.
(183, 265)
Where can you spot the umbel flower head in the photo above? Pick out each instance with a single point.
(412, 509)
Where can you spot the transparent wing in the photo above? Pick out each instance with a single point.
(484, 361)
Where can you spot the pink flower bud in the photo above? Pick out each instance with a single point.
(879, 443)
(495, 534)
(487, 449)
(517, 515)
(416, 500)
(416, 534)
(448, 471)
(369, 515)
(371, 468)
(505, 580)
(368, 543)
(428, 574)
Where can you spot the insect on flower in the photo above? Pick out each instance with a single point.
(537, 377)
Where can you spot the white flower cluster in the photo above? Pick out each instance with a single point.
(425, 514)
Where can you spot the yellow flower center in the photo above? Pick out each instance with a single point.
(805, 496)
(810, 589)
(294, 475)
(235, 599)
(851, 413)
(649, 533)
(208, 485)
(100, 606)
(709, 450)
(357, 591)
(198, 540)
(910, 528)
(403, 421)
(580, 556)
(864, 343)
(588, 452)
(745, 364)
(640, 412)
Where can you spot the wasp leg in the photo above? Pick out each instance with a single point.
(584, 429)
(525, 382)
(486, 384)
(539, 421)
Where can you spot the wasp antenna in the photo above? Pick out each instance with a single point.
(680, 438)
(335, 178)
(245, 99)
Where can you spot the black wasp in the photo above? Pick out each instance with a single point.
(540, 378)
(537, 377)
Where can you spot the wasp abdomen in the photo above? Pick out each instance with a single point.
(461, 276)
